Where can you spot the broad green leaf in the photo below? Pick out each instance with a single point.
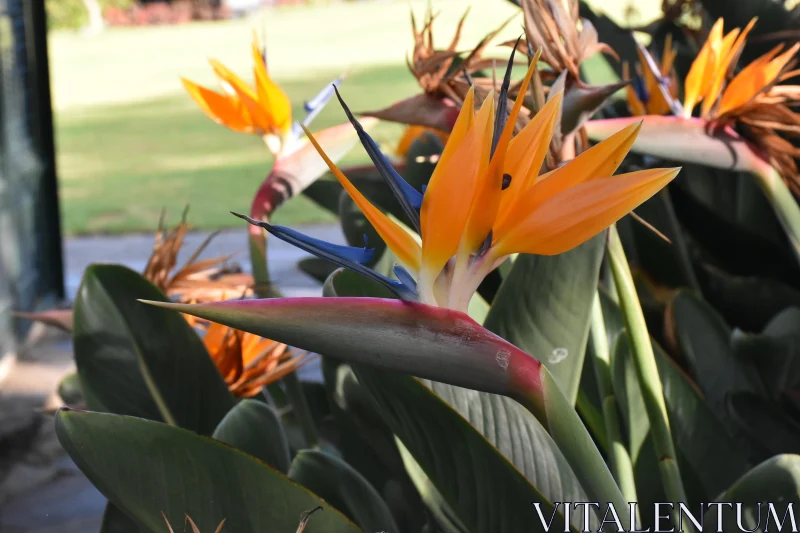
(543, 307)
(477, 480)
(146, 468)
(343, 487)
(140, 360)
(705, 341)
(367, 444)
(253, 427)
(448, 347)
(700, 438)
(421, 159)
(317, 268)
(776, 351)
(69, 389)
(774, 482)
(747, 302)
(444, 515)
(436, 421)
(666, 262)
(115, 521)
(765, 422)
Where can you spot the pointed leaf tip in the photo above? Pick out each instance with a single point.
(449, 346)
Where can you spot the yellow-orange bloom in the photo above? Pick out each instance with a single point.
(262, 109)
(483, 204)
(248, 362)
(644, 95)
(752, 101)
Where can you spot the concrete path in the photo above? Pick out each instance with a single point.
(41, 490)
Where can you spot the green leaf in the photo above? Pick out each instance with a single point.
(253, 427)
(454, 432)
(445, 517)
(476, 478)
(367, 444)
(419, 166)
(140, 360)
(147, 468)
(666, 263)
(543, 308)
(776, 351)
(700, 438)
(343, 487)
(69, 389)
(766, 423)
(705, 341)
(317, 268)
(115, 521)
(774, 482)
(354, 284)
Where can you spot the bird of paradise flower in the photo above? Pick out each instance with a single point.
(486, 200)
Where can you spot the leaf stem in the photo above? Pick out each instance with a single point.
(621, 465)
(783, 203)
(646, 369)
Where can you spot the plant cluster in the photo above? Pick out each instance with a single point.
(549, 294)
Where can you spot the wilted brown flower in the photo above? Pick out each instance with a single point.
(199, 281)
(442, 72)
(248, 362)
(566, 40)
(445, 76)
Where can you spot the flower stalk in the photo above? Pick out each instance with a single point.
(618, 455)
(782, 201)
(646, 369)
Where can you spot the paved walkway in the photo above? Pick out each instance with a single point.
(41, 490)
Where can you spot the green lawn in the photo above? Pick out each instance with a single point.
(121, 164)
(130, 143)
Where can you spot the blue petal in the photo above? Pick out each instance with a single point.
(345, 256)
(501, 116)
(640, 89)
(405, 278)
(410, 199)
(318, 103)
(322, 97)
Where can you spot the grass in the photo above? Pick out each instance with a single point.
(121, 165)
(130, 143)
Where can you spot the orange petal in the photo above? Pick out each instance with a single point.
(656, 104)
(271, 97)
(526, 153)
(396, 238)
(486, 202)
(754, 78)
(218, 107)
(635, 106)
(730, 49)
(449, 194)
(599, 161)
(261, 119)
(697, 80)
(576, 215)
